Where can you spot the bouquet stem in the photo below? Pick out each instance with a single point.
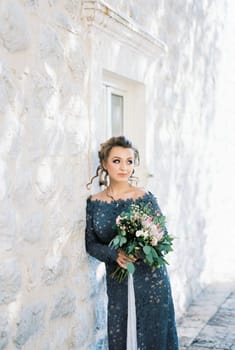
(119, 274)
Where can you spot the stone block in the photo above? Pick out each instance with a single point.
(82, 337)
(65, 304)
(3, 91)
(32, 3)
(4, 181)
(4, 337)
(43, 91)
(10, 280)
(45, 184)
(14, 27)
(73, 7)
(7, 227)
(32, 227)
(55, 268)
(78, 67)
(30, 323)
(3, 340)
(31, 276)
(51, 48)
(58, 339)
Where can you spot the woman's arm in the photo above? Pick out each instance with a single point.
(94, 247)
(157, 208)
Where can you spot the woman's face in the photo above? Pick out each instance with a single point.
(120, 164)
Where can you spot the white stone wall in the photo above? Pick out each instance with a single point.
(45, 286)
(51, 294)
(184, 128)
(220, 263)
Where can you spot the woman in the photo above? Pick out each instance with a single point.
(155, 320)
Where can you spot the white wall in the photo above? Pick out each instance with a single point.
(185, 115)
(44, 127)
(50, 81)
(220, 260)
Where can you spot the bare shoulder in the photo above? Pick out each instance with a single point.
(139, 192)
(98, 196)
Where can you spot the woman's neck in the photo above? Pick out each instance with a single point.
(118, 190)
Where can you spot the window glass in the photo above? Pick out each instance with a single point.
(117, 102)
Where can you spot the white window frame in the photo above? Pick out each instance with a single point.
(109, 90)
(134, 122)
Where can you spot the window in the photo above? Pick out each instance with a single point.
(124, 110)
(117, 117)
(116, 109)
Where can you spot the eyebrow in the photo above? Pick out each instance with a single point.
(117, 157)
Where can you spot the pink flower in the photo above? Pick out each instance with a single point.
(147, 221)
(154, 241)
(156, 231)
(160, 235)
(153, 230)
(118, 220)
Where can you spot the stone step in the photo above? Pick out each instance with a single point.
(209, 322)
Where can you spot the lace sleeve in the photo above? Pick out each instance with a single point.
(156, 206)
(94, 247)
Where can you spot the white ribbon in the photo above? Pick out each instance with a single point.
(131, 320)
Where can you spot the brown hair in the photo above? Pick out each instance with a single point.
(105, 148)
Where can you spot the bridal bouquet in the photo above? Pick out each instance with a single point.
(140, 233)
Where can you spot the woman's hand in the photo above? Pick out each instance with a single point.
(123, 259)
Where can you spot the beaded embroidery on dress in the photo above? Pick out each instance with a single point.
(155, 319)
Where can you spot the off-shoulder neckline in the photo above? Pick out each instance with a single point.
(127, 200)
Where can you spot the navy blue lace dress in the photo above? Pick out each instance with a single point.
(156, 328)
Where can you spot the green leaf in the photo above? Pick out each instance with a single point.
(116, 241)
(122, 241)
(130, 267)
(147, 249)
(154, 253)
(149, 258)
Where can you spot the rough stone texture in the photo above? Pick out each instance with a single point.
(182, 141)
(14, 28)
(64, 304)
(51, 122)
(54, 269)
(10, 281)
(7, 226)
(4, 327)
(222, 192)
(31, 321)
(44, 129)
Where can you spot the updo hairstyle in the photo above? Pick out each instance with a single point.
(105, 148)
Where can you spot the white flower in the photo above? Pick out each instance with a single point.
(139, 233)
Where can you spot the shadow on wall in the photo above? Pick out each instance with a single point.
(220, 264)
